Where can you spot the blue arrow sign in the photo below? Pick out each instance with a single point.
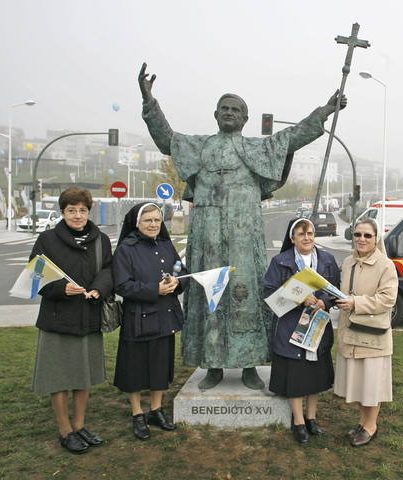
(164, 191)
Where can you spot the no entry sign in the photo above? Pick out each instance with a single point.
(118, 189)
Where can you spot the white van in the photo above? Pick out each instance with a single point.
(393, 215)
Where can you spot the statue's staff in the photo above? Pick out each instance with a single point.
(352, 41)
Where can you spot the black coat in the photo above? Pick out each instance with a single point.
(73, 314)
(138, 264)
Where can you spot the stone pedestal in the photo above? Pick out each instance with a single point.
(230, 404)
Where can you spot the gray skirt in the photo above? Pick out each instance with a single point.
(68, 362)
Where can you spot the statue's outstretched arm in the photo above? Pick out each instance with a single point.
(311, 127)
(157, 124)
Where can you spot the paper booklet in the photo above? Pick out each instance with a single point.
(297, 288)
(309, 331)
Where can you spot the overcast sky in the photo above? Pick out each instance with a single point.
(77, 58)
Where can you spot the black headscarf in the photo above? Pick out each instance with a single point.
(130, 222)
(287, 243)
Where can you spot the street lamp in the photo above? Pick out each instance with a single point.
(368, 75)
(28, 103)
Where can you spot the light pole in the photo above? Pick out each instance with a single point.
(368, 75)
(143, 182)
(342, 188)
(28, 103)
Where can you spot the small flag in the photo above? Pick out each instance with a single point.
(37, 273)
(214, 283)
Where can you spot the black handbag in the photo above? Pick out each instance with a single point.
(374, 324)
(111, 309)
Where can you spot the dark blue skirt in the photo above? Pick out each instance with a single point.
(145, 365)
(296, 378)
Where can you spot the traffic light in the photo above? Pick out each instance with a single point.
(267, 124)
(357, 193)
(113, 137)
(39, 188)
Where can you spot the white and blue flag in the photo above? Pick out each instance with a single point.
(37, 273)
(214, 283)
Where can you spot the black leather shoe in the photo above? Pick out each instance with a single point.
(140, 427)
(300, 433)
(212, 378)
(353, 432)
(362, 438)
(313, 428)
(92, 439)
(74, 443)
(158, 418)
(251, 379)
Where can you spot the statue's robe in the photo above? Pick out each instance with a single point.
(228, 175)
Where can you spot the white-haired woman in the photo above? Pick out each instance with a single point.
(152, 313)
(295, 373)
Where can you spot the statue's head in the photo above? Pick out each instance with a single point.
(231, 113)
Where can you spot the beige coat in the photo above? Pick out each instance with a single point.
(375, 289)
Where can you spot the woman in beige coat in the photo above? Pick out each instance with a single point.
(364, 360)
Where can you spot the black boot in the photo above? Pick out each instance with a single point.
(251, 379)
(158, 418)
(140, 428)
(213, 378)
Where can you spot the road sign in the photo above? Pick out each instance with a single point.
(118, 189)
(164, 191)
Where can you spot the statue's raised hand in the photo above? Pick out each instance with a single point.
(145, 83)
(333, 101)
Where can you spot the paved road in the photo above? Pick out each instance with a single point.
(15, 248)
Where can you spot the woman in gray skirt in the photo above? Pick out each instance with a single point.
(70, 355)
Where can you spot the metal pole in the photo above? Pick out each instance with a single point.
(9, 186)
(384, 158)
(348, 154)
(34, 174)
(342, 191)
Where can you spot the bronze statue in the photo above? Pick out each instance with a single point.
(227, 176)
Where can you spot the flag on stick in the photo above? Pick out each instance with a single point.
(37, 273)
(214, 283)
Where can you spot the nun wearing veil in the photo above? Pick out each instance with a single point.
(151, 313)
(296, 373)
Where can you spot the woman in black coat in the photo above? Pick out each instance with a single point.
(70, 355)
(151, 313)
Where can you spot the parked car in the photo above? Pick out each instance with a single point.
(45, 220)
(394, 249)
(325, 223)
(393, 213)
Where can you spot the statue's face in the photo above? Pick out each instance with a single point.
(230, 116)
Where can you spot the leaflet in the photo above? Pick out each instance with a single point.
(309, 331)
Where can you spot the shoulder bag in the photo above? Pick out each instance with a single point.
(111, 309)
(374, 324)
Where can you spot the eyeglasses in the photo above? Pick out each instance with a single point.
(368, 236)
(73, 211)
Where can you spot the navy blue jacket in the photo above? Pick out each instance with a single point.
(281, 268)
(138, 264)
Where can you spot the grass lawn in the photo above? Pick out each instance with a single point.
(29, 448)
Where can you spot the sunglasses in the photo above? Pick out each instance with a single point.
(368, 236)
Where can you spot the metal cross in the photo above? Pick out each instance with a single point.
(352, 41)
